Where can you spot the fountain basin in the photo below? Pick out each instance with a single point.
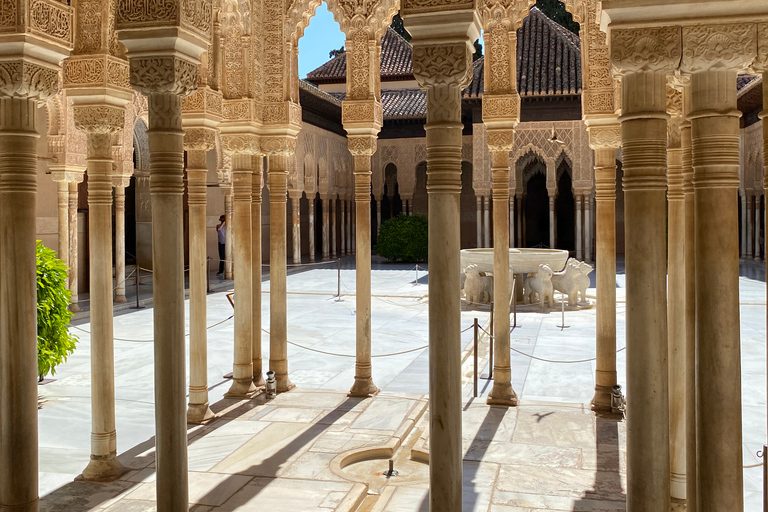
(521, 261)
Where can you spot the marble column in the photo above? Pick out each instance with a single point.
(757, 227)
(242, 369)
(378, 216)
(311, 234)
(750, 228)
(579, 206)
(326, 217)
(690, 309)
(73, 241)
(256, 266)
(363, 385)
(278, 322)
(587, 227)
(605, 241)
(486, 222)
(198, 410)
(676, 320)
(479, 221)
(350, 229)
(343, 231)
(103, 465)
(552, 219)
(296, 226)
(333, 207)
(644, 141)
(443, 86)
(502, 392)
(229, 245)
(119, 186)
(520, 238)
(63, 211)
(511, 221)
(743, 224)
(715, 136)
(18, 295)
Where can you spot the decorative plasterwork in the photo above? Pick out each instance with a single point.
(99, 119)
(163, 75)
(435, 65)
(194, 16)
(97, 72)
(199, 139)
(605, 136)
(761, 61)
(731, 46)
(648, 49)
(23, 79)
(751, 173)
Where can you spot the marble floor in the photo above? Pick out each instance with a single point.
(551, 453)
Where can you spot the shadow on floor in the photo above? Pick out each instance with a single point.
(607, 488)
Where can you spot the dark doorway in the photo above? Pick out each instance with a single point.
(565, 208)
(537, 211)
(468, 208)
(392, 205)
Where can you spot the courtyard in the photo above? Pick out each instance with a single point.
(293, 453)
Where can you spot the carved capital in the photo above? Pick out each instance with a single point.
(604, 136)
(121, 180)
(729, 46)
(761, 62)
(501, 107)
(100, 119)
(241, 143)
(366, 112)
(193, 16)
(362, 145)
(278, 145)
(163, 75)
(500, 140)
(22, 79)
(203, 101)
(286, 113)
(655, 49)
(67, 175)
(199, 139)
(441, 65)
(81, 73)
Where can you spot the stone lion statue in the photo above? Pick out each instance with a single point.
(477, 288)
(539, 285)
(573, 281)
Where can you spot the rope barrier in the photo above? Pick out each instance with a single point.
(113, 289)
(352, 356)
(152, 340)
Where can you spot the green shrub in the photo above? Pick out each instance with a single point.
(54, 342)
(403, 238)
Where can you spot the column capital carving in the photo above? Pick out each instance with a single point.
(241, 143)
(510, 12)
(362, 145)
(761, 61)
(278, 145)
(84, 75)
(654, 49)
(501, 109)
(604, 136)
(67, 175)
(365, 114)
(199, 139)
(501, 140)
(23, 79)
(121, 180)
(99, 119)
(442, 64)
(204, 101)
(163, 74)
(726, 46)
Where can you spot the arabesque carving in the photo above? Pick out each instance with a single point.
(22, 79)
(163, 74)
(646, 49)
(732, 46)
(100, 119)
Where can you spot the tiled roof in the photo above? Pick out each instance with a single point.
(404, 104)
(315, 91)
(746, 82)
(548, 57)
(396, 61)
(475, 87)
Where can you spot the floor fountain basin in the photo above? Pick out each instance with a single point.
(521, 261)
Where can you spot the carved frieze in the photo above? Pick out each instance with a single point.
(365, 111)
(274, 145)
(99, 119)
(502, 107)
(761, 62)
(604, 136)
(240, 143)
(96, 71)
(163, 75)
(449, 64)
(50, 20)
(192, 15)
(424, 6)
(599, 101)
(199, 139)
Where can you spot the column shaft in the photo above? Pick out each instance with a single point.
(333, 207)
(552, 220)
(198, 410)
(750, 228)
(743, 225)
(718, 362)
(587, 228)
(296, 228)
(73, 241)
(242, 370)
(605, 206)
(676, 321)
(256, 262)
(311, 234)
(343, 227)
(229, 246)
(486, 223)
(479, 221)
(579, 205)
(18, 305)
(363, 385)
(120, 244)
(502, 392)
(512, 221)
(166, 156)
(278, 338)
(378, 216)
(326, 216)
(63, 211)
(644, 138)
(520, 238)
(757, 227)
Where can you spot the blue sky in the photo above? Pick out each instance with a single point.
(321, 36)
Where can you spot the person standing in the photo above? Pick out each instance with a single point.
(221, 232)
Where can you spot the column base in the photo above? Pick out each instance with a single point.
(601, 402)
(120, 299)
(258, 380)
(363, 387)
(284, 384)
(502, 394)
(677, 487)
(75, 308)
(104, 468)
(677, 505)
(199, 414)
(241, 388)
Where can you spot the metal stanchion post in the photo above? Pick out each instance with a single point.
(416, 282)
(476, 344)
(338, 280)
(562, 321)
(208, 275)
(138, 282)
